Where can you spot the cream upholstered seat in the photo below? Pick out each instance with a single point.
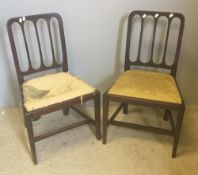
(53, 88)
(52, 92)
(147, 85)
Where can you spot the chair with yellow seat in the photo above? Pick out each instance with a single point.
(148, 78)
(32, 39)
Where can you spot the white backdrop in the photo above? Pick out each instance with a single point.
(95, 36)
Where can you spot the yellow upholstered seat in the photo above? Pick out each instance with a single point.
(147, 85)
(53, 88)
(143, 85)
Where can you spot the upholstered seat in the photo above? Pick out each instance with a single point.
(53, 88)
(51, 92)
(147, 85)
(149, 48)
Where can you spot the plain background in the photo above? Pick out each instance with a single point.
(95, 35)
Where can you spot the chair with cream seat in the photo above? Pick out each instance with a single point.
(43, 94)
(148, 78)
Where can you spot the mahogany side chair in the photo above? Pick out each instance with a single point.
(49, 92)
(149, 78)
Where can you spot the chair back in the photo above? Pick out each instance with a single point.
(37, 43)
(154, 40)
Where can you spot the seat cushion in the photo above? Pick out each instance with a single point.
(147, 85)
(53, 88)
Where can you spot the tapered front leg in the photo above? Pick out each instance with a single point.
(31, 138)
(97, 114)
(105, 117)
(179, 120)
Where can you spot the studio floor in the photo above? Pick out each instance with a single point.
(78, 152)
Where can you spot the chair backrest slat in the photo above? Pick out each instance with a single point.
(153, 39)
(51, 42)
(156, 17)
(26, 47)
(140, 41)
(39, 45)
(21, 21)
(166, 42)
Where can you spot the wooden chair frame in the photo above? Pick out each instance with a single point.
(168, 107)
(29, 117)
